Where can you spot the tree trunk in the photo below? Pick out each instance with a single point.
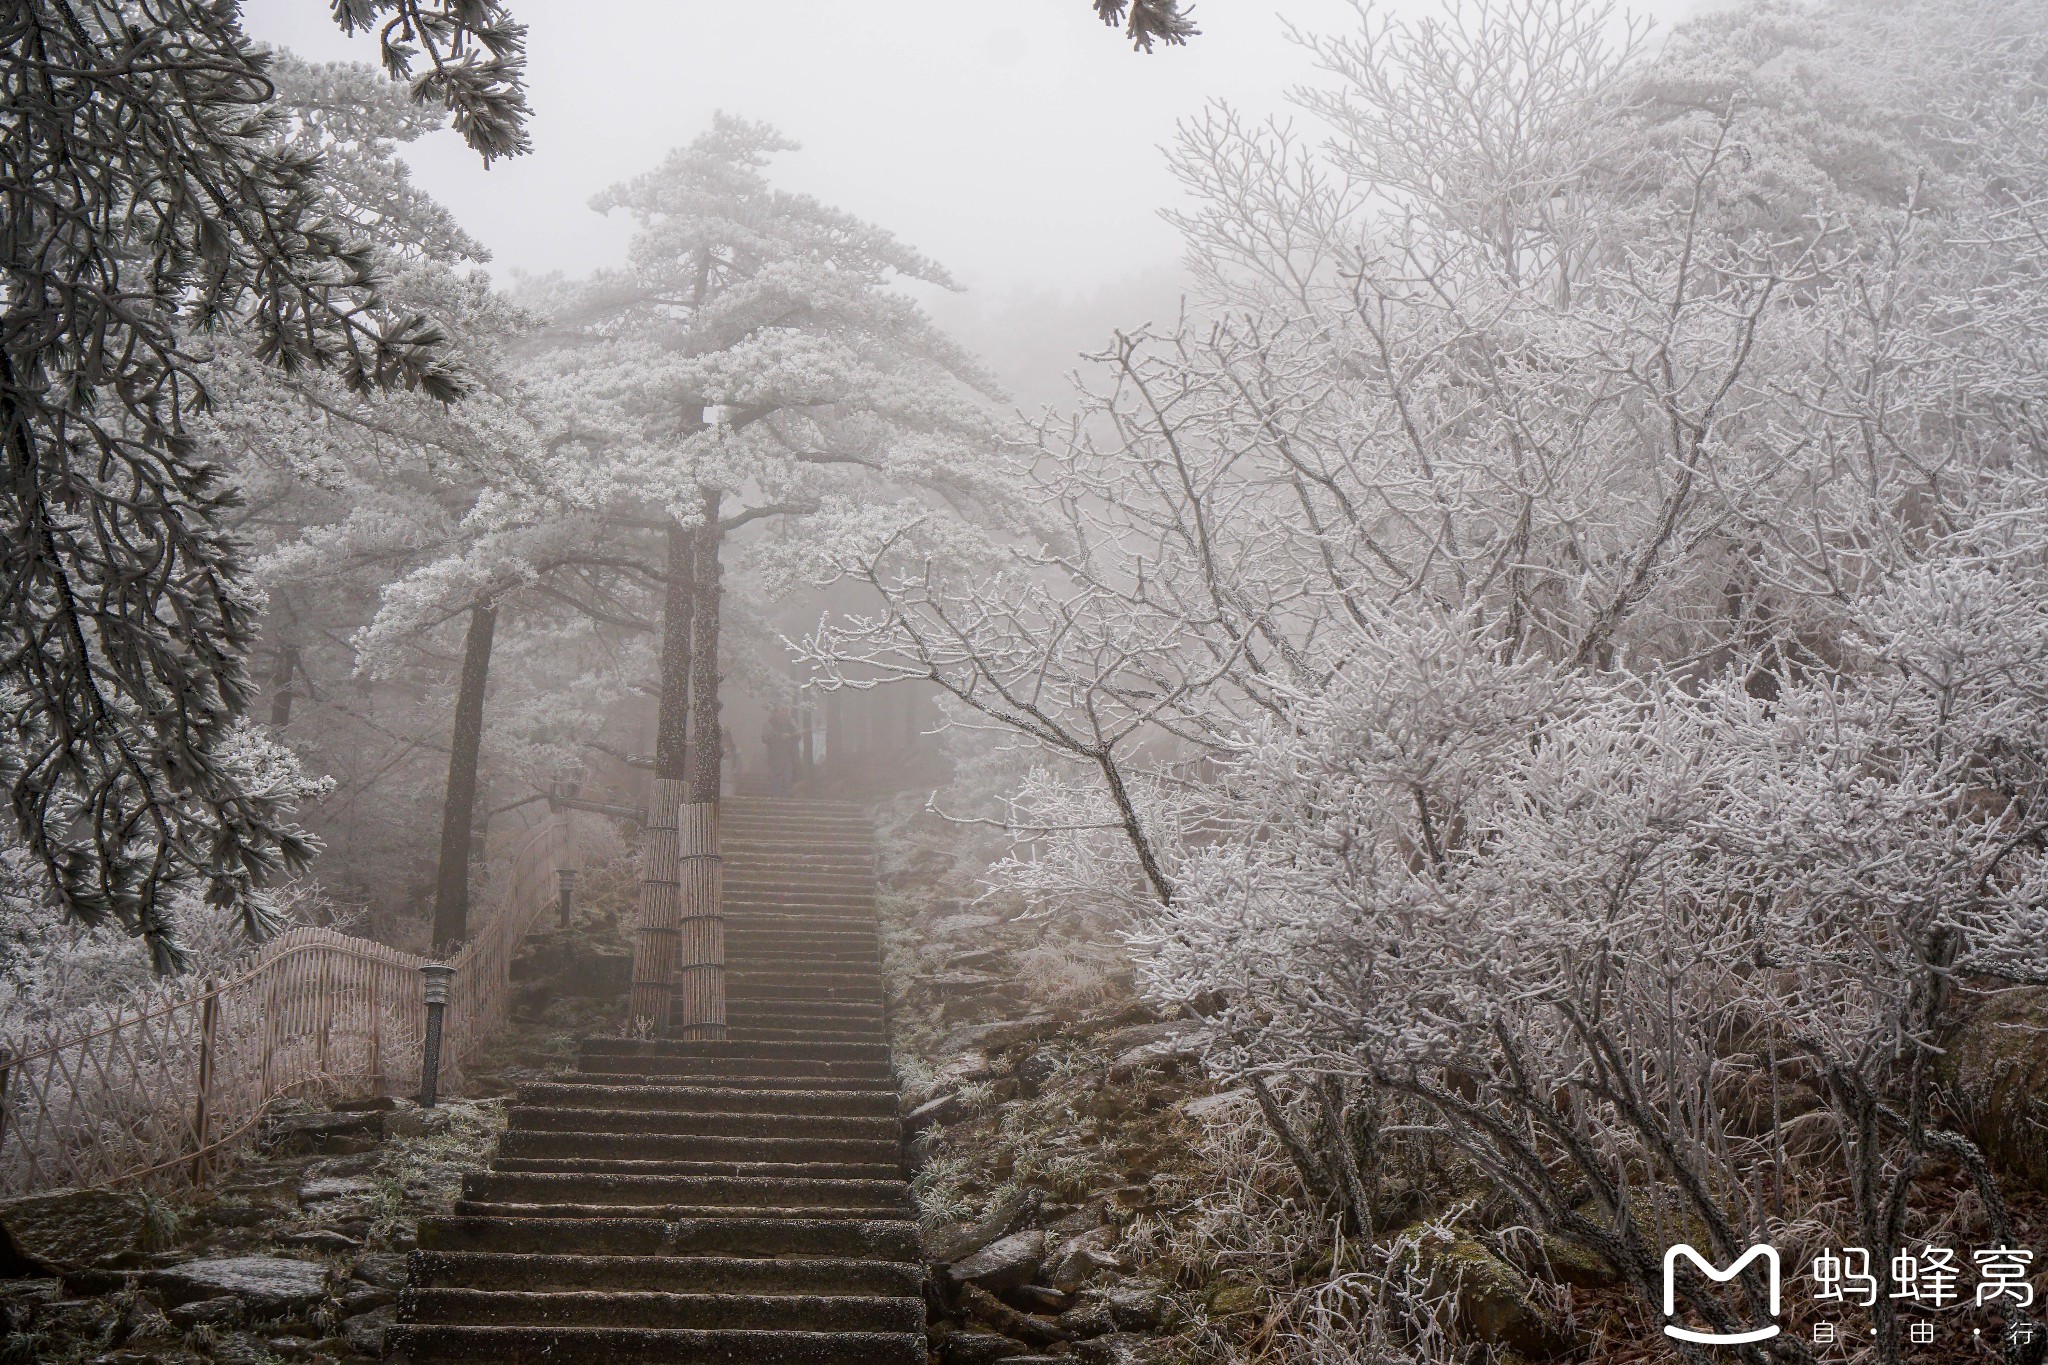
(659, 927)
(458, 810)
(282, 668)
(700, 975)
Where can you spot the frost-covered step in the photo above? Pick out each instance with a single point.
(514, 1187)
(461, 1344)
(703, 1147)
(885, 1239)
(687, 1274)
(688, 1099)
(775, 1048)
(644, 1308)
(690, 1166)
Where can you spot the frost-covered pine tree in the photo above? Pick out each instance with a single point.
(751, 364)
(153, 193)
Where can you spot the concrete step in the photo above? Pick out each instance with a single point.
(497, 1345)
(674, 1274)
(886, 1239)
(798, 1072)
(780, 1313)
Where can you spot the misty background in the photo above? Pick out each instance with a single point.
(1019, 146)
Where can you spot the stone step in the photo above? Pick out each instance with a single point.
(707, 1123)
(693, 1165)
(883, 1239)
(699, 1191)
(675, 1274)
(696, 1099)
(766, 1000)
(696, 1147)
(602, 1074)
(833, 1213)
(765, 1048)
(796, 1070)
(779, 1313)
(497, 1345)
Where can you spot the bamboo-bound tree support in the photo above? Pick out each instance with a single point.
(458, 810)
(700, 966)
(655, 947)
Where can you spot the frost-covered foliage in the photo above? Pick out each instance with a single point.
(155, 191)
(1558, 629)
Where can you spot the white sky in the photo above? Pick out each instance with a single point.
(1015, 143)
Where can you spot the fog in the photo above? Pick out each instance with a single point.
(1017, 145)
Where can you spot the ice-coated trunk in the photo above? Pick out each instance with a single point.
(458, 809)
(282, 668)
(659, 922)
(700, 968)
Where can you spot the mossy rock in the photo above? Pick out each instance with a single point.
(1491, 1296)
(1995, 1072)
(1227, 1298)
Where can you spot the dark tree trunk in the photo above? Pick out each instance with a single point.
(704, 737)
(458, 810)
(282, 669)
(658, 922)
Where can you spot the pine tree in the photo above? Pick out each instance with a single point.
(152, 195)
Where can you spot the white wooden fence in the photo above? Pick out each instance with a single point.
(165, 1091)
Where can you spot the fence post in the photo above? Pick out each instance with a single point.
(566, 906)
(435, 976)
(202, 1115)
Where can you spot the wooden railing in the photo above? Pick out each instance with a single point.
(165, 1091)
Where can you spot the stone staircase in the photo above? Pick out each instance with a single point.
(731, 1202)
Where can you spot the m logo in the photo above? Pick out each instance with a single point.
(1767, 1254)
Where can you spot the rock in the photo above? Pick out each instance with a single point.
(1007, 1320)
(1082, 1258)
(266, 1284)
(365, 1331)
(224, 1311)
(319, 1239)
(68, 1230)
(372, 1104)
(329, 1187)
(999, 1035)
(1491, 1298)
(323, 1130)
(942, 1109)
(1230, 1297)
(1149, 1035)
(1036, 1298)
(416, 1122)
(946, 1246)
(1227, 1104)
(1135, 1307)
(1006, 1262)
(1119, 1348)
(1560, 1262)
(979, 1348)
(383, 1269)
